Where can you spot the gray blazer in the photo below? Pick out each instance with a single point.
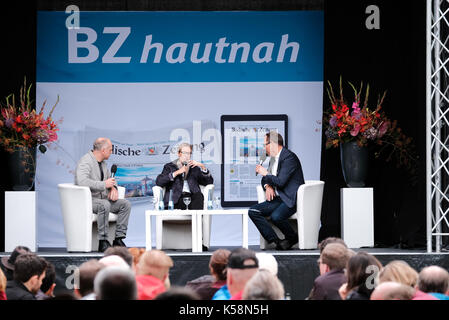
(88, 174)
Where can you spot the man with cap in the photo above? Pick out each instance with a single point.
(242, 265)
(8, 262)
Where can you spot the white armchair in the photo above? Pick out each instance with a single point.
(176, 232)
(307, 216)
(76, 205)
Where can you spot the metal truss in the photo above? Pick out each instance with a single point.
(437, 126)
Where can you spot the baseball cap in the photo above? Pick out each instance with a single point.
(243, 259)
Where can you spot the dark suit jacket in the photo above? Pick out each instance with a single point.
(17, 291)
(288, 178)
(195, 177)
(326, 286)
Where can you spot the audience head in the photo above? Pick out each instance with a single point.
(267, 262)
(9, 262)
(242, 265)
(2, 281)
(360, 270)
(115, 283)
(328, 240)
(122, 252)
(136, 254)
(178, 293)
(399, 271)
(86, 274)
(333, 257)
(433, 279)
(48, 283)
(114, 261)
(29, 269)
(390, 290)
(263, 286)
(218, 263)
(155, 263)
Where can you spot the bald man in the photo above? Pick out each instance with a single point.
(392, 291)
(92, 172)
(435, 281)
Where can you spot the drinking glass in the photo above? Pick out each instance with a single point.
(187, 201)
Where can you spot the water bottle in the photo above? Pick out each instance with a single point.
(170, 201)
(210, 205)
(161, 204)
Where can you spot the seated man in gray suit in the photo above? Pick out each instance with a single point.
(92, 172)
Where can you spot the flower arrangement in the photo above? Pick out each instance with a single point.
(22, 127)
(351, 121)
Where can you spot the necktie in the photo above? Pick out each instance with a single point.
(101, 171)
(270, 165)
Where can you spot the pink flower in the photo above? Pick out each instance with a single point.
(356, 108)
(355, 130)
(383, 128)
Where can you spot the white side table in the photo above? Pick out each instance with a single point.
(357, 217)
(20, 220)
(171, 213)
(243, 212)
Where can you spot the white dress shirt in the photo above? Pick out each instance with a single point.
(274, 169)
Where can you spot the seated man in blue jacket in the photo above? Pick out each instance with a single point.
(280, 182)
(184, 176)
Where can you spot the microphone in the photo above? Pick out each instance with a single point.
(185, 165)
(262, 159)
(113, 170)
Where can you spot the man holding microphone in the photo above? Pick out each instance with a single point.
(92, 172)
(280, 182)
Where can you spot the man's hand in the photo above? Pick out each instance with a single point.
(113, 194)
(269, 193)
(193, 164)
(261, 170)
(110, 183)
(343, 291)
(182, 170)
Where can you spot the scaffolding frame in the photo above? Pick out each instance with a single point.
(437, 123)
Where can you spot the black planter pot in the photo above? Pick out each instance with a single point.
(354, 162)
(22, 170)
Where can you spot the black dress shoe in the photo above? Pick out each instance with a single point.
(205, 248)
(103, 245)
(286, 244)
(118, 242)
(272, 245)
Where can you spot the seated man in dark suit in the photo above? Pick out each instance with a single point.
(184, 176)
(280, 182)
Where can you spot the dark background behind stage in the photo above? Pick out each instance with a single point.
(392, 58)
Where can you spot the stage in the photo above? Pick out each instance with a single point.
(297, 268)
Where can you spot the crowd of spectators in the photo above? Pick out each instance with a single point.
(242, 274)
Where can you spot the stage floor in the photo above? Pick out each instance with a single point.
(297, 269)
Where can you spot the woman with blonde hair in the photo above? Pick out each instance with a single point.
(401, 272)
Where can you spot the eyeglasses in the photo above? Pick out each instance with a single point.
(187, 153)
(265, 144)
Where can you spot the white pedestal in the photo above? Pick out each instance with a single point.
(357, 217)
(20, 220)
